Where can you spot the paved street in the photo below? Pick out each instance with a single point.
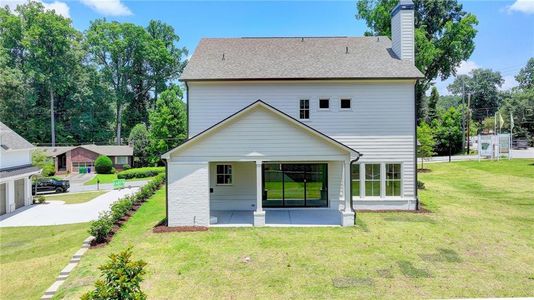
(56, 212)
(79, 187)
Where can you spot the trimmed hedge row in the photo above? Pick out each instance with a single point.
(140, 172)
(103, 226)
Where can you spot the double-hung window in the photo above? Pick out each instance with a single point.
(304, 109)
(372, 180)
(393, 179)
(355, 180)
(224, 174)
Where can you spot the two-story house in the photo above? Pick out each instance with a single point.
(15, 170)
(298, 128)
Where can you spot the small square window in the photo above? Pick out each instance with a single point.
(324, 103)
(345, 103)
(304, 111)
(224, 174)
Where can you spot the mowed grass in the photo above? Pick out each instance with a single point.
(74, 198)
(109, 178)
(32, 257)
(477, 242)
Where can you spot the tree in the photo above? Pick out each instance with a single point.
(168, 122)
(44, 162)
(444, 36)
(525, 77)
(432, 104)
(446, 102)
(447, 128)
(520, 105)
(426, 142)
(483, 85)
(139, 140)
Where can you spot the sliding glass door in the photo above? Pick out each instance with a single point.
(295, 185)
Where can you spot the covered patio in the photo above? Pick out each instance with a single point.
(276, 218)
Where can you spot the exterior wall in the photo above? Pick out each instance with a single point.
(188, 194)
(15, 192)
(118, 166)
(82, 155)
(3, 198)
(241, 195)
(380, 123)
(403, 34)
(14, 158)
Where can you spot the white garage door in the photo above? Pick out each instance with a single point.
(19, 193)
(3, 198)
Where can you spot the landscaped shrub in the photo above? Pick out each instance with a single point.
(39, 199)
(103, 165)
(140, 172)
(420, 185)
(126, 167)
(48, 170)
(122, 278)
(101, 227)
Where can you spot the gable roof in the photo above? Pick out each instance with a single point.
(108, 150)
(10, 140)
(297, 58)
(273, 110)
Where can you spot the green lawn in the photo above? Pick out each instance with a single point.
(32, 257)
(108, 178)
(74, 198)
(477, 243)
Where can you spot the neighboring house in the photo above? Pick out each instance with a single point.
(298, 124)
(70, 159)
(15, 170)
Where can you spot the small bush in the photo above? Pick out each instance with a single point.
(101, 227)
(39, 199)
(420, 185)
(120, 208)
(48, 170)
(103, 165)
(122, 278)
(126, 167)
(140, 172)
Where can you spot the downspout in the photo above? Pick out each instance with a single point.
(166, 191)
(415, 143)
(187, 108)
(351, 192)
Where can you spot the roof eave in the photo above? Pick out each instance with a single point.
(301, 78)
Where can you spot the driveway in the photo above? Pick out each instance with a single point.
(56, 212)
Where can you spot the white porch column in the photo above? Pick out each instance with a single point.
(10, 187)
(347, 215)
(28, 191)
(259, 214)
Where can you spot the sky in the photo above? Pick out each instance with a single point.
(504, 43)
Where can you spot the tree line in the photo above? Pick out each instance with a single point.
(60, 86)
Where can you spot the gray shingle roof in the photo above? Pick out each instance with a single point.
(108, 150)
(10, 140)
(296, 58)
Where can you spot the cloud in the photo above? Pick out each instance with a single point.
(523, 6)
(465, 67)
(108, 7)
(61, 8)
(509, 82)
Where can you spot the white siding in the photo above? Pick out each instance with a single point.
(403, 35)
(259, 134)
(14, 158)
(380, 124)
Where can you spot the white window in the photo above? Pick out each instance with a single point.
(345, 103)
(324, 104)
(355, 180)
(121, 160)
(304, 109)
(224, 174)
(372, 180)
(393, 179)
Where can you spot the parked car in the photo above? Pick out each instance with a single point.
(520, 144)
(50, 185)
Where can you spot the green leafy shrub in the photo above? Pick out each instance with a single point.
(126, 167)
(101, 227)
(39, 199)
(140, 172)
(420, 185)
(45, 163)
(103, 165)
(120, 208)
(122, 278)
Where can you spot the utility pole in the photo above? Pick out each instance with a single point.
(468, 121)
(463, 115)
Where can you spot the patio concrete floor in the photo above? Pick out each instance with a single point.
(279, 218)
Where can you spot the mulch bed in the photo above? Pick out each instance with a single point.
(162, 227)
(424, 170)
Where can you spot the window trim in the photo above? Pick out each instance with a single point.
(304, 109)
(319, 104)
(122, 156)
(341, 100)
(400, 180)
(382, 196)
(231, 175)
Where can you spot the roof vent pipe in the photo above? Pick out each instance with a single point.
(346, 50)
(223, 57)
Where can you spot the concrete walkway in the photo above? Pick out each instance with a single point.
(56, 212)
